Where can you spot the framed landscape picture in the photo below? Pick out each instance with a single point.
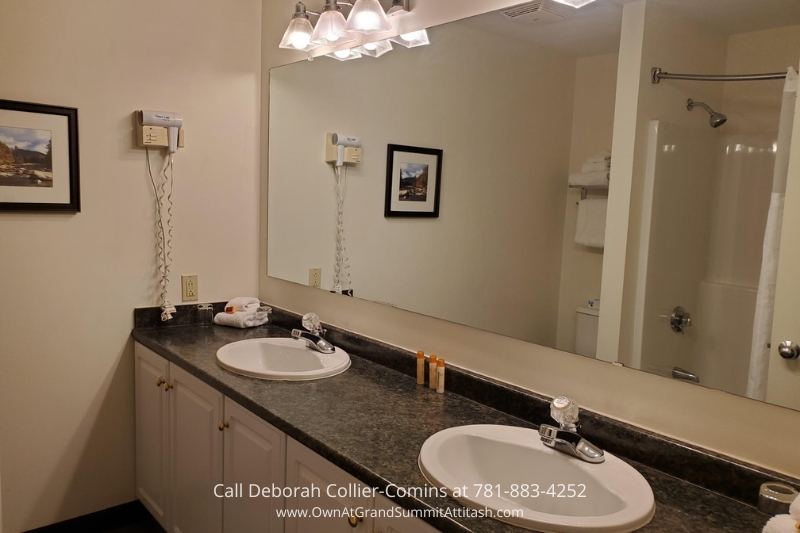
(39, 168)
(413, 181)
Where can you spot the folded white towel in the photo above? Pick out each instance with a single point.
(598, 159)
(794, 510)
(591, 227)
(243, 303)
(783, 523)
(242, 319)
(594, 179)
(602, 155)
(602, 166)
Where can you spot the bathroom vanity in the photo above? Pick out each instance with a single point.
(190, 437)
(199, 426)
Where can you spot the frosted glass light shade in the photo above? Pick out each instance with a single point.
(298, 35)
(413, 39)
(374, 49)
(344, 55)
(575, 3)
(368, 17)
(330, 29)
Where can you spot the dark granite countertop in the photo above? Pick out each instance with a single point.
(367, 421)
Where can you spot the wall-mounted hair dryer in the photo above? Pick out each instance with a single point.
(346, 141)
(165, 119)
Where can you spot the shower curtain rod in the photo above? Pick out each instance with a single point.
(658, 75)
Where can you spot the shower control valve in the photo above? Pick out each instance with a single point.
(680, 319)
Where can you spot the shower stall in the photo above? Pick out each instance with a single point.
(711, 212)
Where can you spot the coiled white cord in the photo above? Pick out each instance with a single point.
(163, 238)
(170, 227)
(341, 268)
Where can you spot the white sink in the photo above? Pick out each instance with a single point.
(617, 498)
(281, 359)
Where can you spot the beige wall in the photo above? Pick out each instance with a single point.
(757, 106)
(70, 282)
(592, 128)
(505, 162)
(648, 401)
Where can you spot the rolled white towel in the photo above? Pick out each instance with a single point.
(601, 166)
(794, 509)
(783, 523)
(594, 179)
(242, 319)
(243, 303)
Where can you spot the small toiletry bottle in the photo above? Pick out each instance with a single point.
(420, 368)
(432, 376)
(440, 376)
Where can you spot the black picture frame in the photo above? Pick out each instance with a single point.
(390, 170)
(71, 113)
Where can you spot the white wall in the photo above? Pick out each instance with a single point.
(592, 128)
(500, 110)
(70, 282)
(645, 400)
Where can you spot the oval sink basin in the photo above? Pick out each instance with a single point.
(544, 489)
(281, 359)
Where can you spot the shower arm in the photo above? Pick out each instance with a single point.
(657, 75)
(705, 106)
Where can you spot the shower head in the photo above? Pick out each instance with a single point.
(716, 120)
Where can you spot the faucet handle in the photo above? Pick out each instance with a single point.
(312, 323)
(565, 411)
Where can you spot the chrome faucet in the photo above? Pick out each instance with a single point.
(566, 439)
(314, 337)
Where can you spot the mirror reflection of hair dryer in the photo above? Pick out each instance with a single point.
(165, 119)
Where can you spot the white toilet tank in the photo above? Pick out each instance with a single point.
(586, 321)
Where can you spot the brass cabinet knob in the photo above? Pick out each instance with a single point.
(353, 520)
(167, 386)
(160, 382)
(222, 425)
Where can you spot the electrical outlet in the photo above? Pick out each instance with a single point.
(189, 288)
(314, 277)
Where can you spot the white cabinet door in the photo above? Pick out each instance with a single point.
(305, 468)
(195, 454)
(152, 433)
(255, 453)
(397, 524)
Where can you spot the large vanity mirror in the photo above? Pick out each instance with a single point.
(478, 186)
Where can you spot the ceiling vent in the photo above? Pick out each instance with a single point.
(538, 12)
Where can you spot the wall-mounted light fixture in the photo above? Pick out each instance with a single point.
(412, 39)
(376, 49)
(368, 17)
(575, 3)
(398, 8)
(298, 34)
(345, 55)
(333, 30)
(330, 30)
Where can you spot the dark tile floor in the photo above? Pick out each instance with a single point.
(127, 518)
